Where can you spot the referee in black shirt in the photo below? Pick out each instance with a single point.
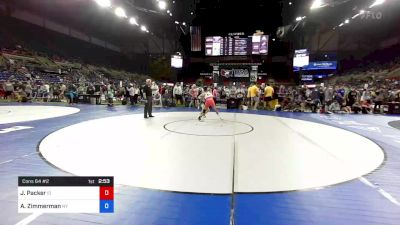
(147, 95)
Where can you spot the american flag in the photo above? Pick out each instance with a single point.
(195, 33)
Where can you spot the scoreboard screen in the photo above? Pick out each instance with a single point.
(176, 61)
(236, 45)
(301, 58)
(65, 194)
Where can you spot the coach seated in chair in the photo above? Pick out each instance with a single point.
(72, 94)
(157, 99)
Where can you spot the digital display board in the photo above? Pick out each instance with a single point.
(319, 65)
(301, 58)
(239, 45)
(176, 61)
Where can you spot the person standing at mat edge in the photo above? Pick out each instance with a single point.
(148, 97)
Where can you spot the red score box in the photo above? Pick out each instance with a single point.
(106, 193)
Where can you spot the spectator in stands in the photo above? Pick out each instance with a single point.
(177, 93)
(167, 98)
(334, 107)
(127, 96)
(90, 89)
(397, 95)
(391, 95)
(227, 92)
(232, 93)
(72, 93)
(240, 94)
(55, 91)
(275, 100)
(133, 94)
(281, 93)
(81, 89)
(338, 97)
(321, 90)
(8, 87)
(110, 93)
(136, 93)
(44, 91)
(351, 98)
(2, 92)
(162, 89)
(308, 93)
(20, 95)
(28, 89)
(378, 100)
(157, 99)
(154, 88)
(215, 94)
(365, 96)
(300, 101)
(63, 88)
(328, 96)
(315, 99)
(194, 92)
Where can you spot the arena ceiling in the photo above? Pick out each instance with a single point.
(87, 16)
(216, 17)
(224, 16)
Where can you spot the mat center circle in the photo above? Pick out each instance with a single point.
(209, 127)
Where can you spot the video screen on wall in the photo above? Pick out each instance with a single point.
(236, 45)
(176, 61)
(301, 58)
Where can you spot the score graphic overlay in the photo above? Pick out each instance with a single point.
(65, 194)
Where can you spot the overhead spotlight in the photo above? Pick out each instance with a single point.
(173, 2)
(176, 22)
(120, 12)
(170, 14)
(162, 5)
(273, 39)
(347, 21)
(168, 11)
(341, 25)
(299, 18)
(183, 23)
(290, 3)
(133, 21)
(317, 4)
(143, 28)
(362, 11)
(191, 13)
(103, 3)
(377, 2)
(147, 31)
